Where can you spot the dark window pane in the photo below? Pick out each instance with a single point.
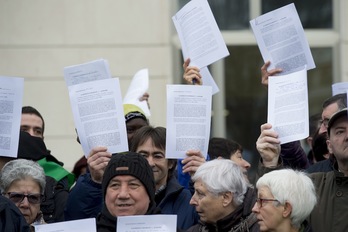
(313, 13)
(229, 14)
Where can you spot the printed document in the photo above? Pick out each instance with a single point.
(98, 115)
(288, 106)
(200, 37)
(208, 80)
(136, 89)
(83, 225)
(188, 119)
(340, 87)
(281, 40)
(90, 71)
(147, 223)
(11, 97)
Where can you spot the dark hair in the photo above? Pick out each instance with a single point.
(81, 163)
(340, 99)
(223, 147)
(314, 123)
(32, 110)
(158, 137)
(319, 146)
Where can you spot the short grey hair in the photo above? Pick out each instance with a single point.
(20, 169)
(294, 187)
(223, 175)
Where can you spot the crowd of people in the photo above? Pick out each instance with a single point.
(294, 191)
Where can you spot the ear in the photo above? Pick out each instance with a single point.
(329, 147)
(227, 199)
(171, 164)
(287, 210)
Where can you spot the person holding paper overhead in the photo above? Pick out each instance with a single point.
(170, 196)
(87, 190)
(330, 213)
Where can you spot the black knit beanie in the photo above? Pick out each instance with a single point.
(130, 163)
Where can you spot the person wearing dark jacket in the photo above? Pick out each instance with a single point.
(128, 188)
(330, 213)
(11, 219)
(170, 196)
(223, 198)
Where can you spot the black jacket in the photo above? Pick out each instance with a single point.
(11, 219)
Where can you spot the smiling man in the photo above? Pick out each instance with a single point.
(128, 189)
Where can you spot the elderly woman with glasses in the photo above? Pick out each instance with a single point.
(285, 199)
(23, 182)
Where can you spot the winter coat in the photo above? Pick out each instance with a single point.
(85, 201)
(330, 213)
(176, 200)
(11, 219)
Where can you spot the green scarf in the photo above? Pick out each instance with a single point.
(56, 171)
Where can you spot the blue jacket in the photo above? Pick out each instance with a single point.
(176, 200)
(86, 200)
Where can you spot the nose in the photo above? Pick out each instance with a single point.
(150, 160)
(24, 203)
(193, 200)
(31, 131)
(255, 209)
(123, 192)
(246, 164)
(322, 128)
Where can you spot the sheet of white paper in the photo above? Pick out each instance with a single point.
(147, 223)
(11, 97)
(281, 40)
(200, 37)
(188, 119)
(288, 106)
(138, 86)
(90, 71)
(83, 225)
(208, 79)
(340, 87)
(98, 115)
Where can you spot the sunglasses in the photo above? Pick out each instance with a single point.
(34, 198)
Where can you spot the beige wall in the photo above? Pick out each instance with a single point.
(39, 38)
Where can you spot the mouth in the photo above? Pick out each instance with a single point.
(124, 205)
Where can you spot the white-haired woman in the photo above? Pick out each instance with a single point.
(223, 198)
(285, 199)
(23, 182)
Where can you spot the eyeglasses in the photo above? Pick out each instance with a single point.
(260, 201)
(34, 198)
(324, 122)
